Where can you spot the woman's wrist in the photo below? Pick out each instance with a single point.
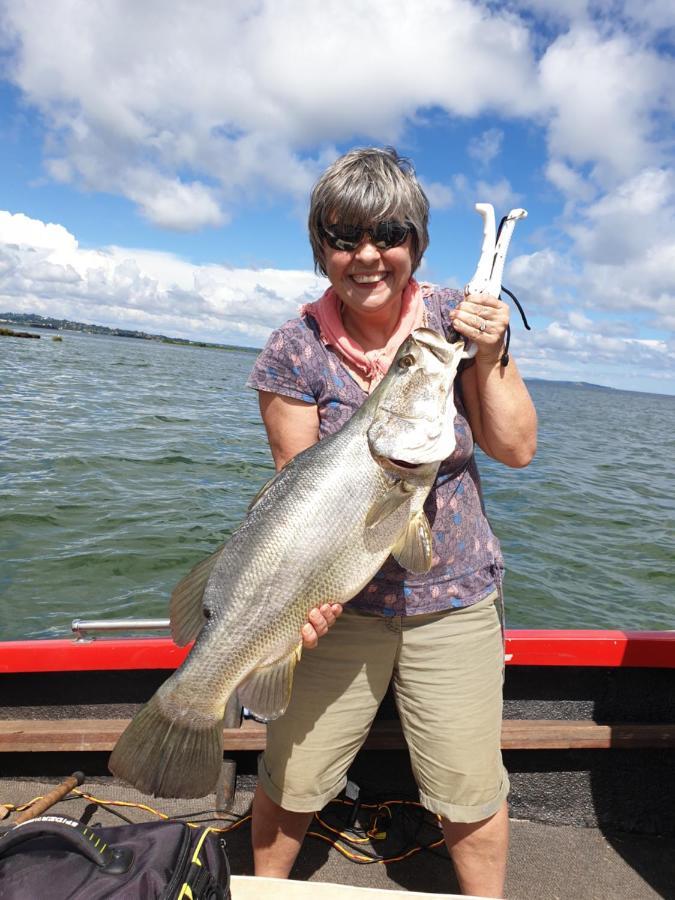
(490, 358)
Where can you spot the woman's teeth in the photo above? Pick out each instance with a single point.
(368, 279)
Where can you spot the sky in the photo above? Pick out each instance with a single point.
(156, 160)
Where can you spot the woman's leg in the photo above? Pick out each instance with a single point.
(479, 851)
(448, 684)
(277, 836)
(337, 689)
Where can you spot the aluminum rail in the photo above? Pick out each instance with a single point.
(86, 629)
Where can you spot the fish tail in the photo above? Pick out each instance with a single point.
(170, 752)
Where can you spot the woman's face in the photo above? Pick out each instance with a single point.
(369, 279)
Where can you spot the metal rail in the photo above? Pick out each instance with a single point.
(87, 629)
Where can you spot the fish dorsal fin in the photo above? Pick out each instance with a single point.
(267, 690)
(186, 608)
(389, 503)
(413, 548)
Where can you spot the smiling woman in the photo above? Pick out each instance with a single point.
(368, 229)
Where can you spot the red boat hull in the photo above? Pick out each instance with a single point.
(526, 647)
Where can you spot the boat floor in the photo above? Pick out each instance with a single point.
(545, 861)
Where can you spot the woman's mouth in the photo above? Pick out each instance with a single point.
(372, 278)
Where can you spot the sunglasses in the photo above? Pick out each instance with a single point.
(385, 235)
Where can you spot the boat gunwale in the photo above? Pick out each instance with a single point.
(524, 647)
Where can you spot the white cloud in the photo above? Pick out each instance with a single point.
(193, 111)
(151, 291)
(23, 231)
(163, 294)
(188, 111)
(543, 280)
(499, 193)
(172, 203)
(486, 146)
(577, 352)
(579, 321)
(604, 95)
(621, 258)
(570, 182)
(626, 242)
(440, 196)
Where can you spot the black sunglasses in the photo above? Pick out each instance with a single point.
(384, 235)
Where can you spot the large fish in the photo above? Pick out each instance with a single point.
(317, 533)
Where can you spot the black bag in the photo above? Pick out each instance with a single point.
(60, 858)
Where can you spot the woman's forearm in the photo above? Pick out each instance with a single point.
(501, 413)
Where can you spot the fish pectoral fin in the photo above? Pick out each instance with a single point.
(385, 506)
(186, 610)
(267, 690)
(232, 716)
(413, 548)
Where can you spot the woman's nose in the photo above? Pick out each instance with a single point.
(367, 250)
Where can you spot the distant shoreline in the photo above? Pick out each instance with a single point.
(28, 320)
(33, 320)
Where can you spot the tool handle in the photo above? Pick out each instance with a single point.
(51, 798)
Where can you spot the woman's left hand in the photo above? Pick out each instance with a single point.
(319, 620)
(483, 320)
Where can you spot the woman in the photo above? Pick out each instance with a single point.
(437, 636)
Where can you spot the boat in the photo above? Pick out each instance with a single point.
(588, 740)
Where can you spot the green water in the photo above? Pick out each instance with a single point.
(123, 462)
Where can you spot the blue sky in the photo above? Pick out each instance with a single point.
(156, 159)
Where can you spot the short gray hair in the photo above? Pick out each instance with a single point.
(365, 186)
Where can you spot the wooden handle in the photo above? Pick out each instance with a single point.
(40, 806)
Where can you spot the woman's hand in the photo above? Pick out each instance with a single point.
(483, 319)
(319, 621)
(499, 408)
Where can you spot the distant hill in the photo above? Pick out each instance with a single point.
(578, 384)
(34, 320)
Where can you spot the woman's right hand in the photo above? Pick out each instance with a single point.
(319, 620)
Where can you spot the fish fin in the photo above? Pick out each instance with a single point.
(413, 548)
(266, 692)
(169, 757)
(232, 717)
(263, 490)
(385, 506)
(186, 609)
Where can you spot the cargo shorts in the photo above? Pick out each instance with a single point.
(447, 673)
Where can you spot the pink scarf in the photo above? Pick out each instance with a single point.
(373, 364)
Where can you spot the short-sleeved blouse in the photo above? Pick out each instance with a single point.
(467, 562)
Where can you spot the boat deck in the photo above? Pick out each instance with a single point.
(546, 862)
(588, 740)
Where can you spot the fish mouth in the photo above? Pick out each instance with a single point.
(399, 465)
(402, 464)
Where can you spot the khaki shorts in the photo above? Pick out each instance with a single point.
(447, 671)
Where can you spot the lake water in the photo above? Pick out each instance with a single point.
(123, 462)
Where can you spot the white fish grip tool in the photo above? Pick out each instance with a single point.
(487, 278)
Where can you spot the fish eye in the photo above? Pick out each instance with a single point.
(405, 362)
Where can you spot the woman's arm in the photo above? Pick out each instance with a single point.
(293, 426)
(500, 410)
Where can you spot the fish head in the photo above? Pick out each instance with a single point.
(413, 420)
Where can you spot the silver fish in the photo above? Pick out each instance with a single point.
(317, 532)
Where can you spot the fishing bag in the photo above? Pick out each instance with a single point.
(60, 858)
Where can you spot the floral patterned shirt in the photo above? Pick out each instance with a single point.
(467, 563)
